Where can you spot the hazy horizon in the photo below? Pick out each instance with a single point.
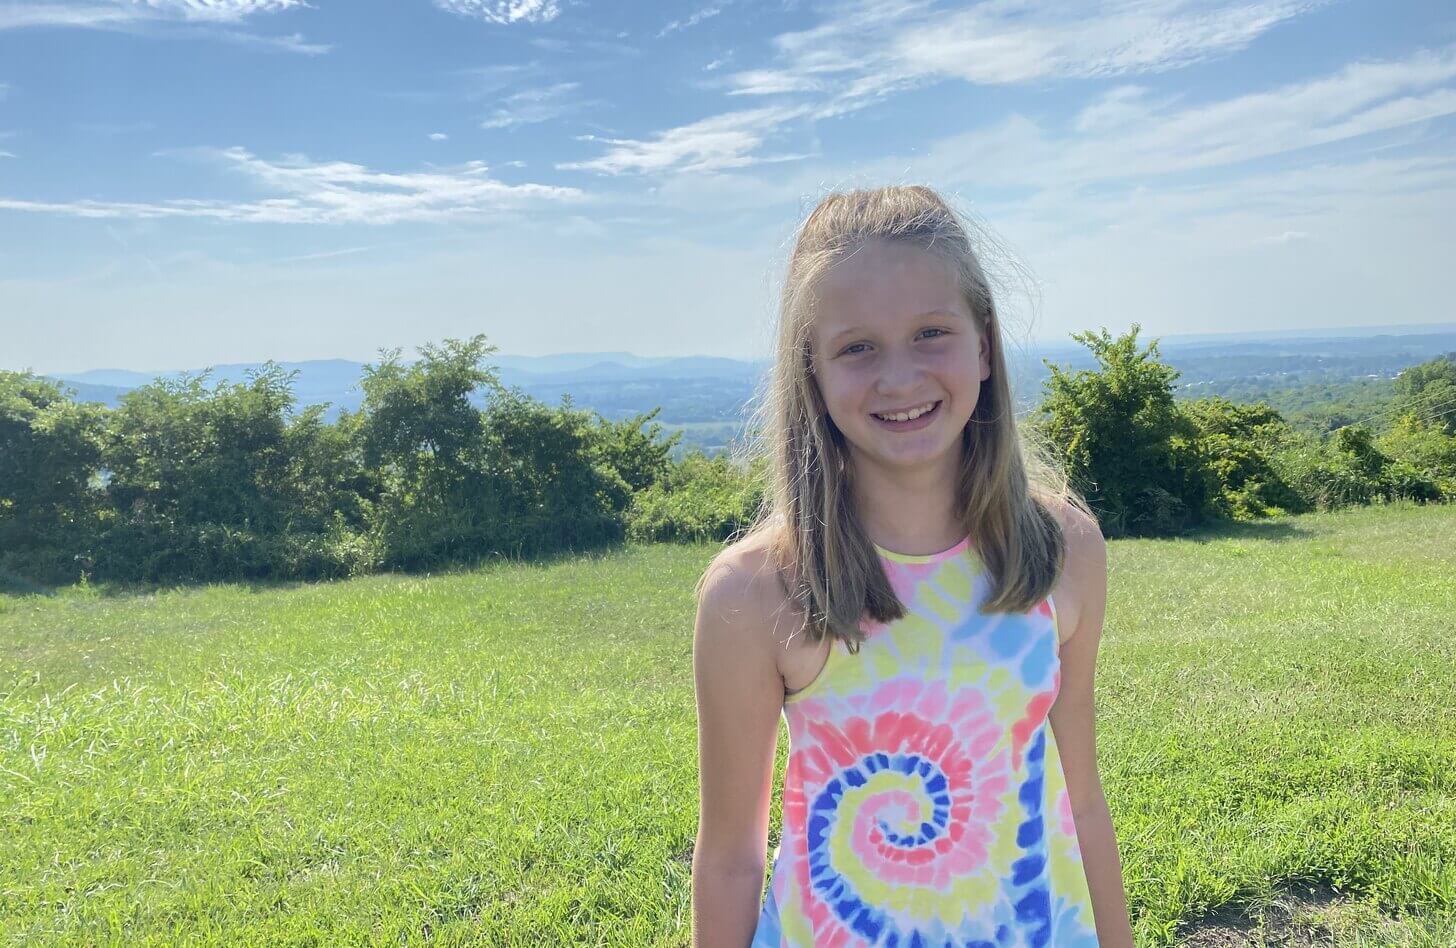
(409, 353)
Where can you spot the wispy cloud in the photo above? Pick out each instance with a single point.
(112, 12)
(331, 192)
(439, 137)
(291, 43)
(531, 106)
(688, 22)
(1130, 149)
(713, 144)
(324, 255)
(866, 50)
(503, 11)
(213, 19)
(1289, 236)
(1126, 134)
(868, 45)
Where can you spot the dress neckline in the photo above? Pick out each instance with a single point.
(955, 550)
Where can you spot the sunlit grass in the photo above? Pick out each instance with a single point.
(507, 755)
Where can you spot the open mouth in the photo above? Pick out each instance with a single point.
(909, 424)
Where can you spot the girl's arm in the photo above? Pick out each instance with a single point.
(740, 695)
(1073, 719)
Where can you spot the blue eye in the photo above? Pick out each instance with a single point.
(849, 350)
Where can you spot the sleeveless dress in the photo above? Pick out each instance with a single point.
(924, 802)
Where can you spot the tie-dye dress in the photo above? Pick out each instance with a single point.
(924, 801)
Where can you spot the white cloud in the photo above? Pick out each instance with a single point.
(1288, 236)
(689, 22)
(713, 144)
(438, 137)
(292, 42)
(337, 192)
(1128, 135)
(866, 48)
(531, 106)
(211, 18)
(503, 11)
(111, 12)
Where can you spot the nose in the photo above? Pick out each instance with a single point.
(899, 375)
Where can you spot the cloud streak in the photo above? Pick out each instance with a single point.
(713, 144)
(866, 50)
(532, 106)
(503, 12)
(100, 13)
(871, 45)
(331, 192)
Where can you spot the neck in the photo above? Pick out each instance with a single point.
(911, 511)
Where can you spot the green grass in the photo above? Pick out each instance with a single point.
(507, 755)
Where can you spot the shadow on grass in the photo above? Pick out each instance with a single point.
(14, 585)
(1272, 531)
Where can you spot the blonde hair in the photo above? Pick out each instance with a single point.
(1007, 481)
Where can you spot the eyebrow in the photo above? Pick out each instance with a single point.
(856, 329)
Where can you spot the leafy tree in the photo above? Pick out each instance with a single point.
(1427, 449)
(1127, 446)
(433, 499)
(638, 456)
(1428, 391)
(219, 483)
(1238, 442)
(558, 487)
(50, 455)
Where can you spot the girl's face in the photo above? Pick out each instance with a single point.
(892, 334)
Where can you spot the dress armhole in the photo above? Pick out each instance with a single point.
(1056, 632)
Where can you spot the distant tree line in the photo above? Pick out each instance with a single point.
(192, 482)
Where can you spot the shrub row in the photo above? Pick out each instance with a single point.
(190, 482)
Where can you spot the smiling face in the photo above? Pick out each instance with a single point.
(892, 333)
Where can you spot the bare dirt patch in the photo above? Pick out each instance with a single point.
(1305, 915)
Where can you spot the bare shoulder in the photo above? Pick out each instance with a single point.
(1086, 546)
(742, 597)
(1081, 590)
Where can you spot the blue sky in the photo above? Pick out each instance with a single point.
(190, 182)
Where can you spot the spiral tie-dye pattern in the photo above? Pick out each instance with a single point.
(924, 802)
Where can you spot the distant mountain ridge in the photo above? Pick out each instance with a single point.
(714, 394)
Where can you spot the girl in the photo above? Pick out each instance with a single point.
(922, 601)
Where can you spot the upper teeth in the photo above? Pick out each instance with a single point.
(907, 415)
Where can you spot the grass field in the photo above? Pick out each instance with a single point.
(507, 756)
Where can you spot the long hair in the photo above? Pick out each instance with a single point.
(1006, 481)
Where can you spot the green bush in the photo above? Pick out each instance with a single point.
(1428, 391)
(1348, 469)
(1238, 443)
(221, 483)
(558, 490)
(701, 498)
(1426, 448)
(1127, 447)
(50, 504)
